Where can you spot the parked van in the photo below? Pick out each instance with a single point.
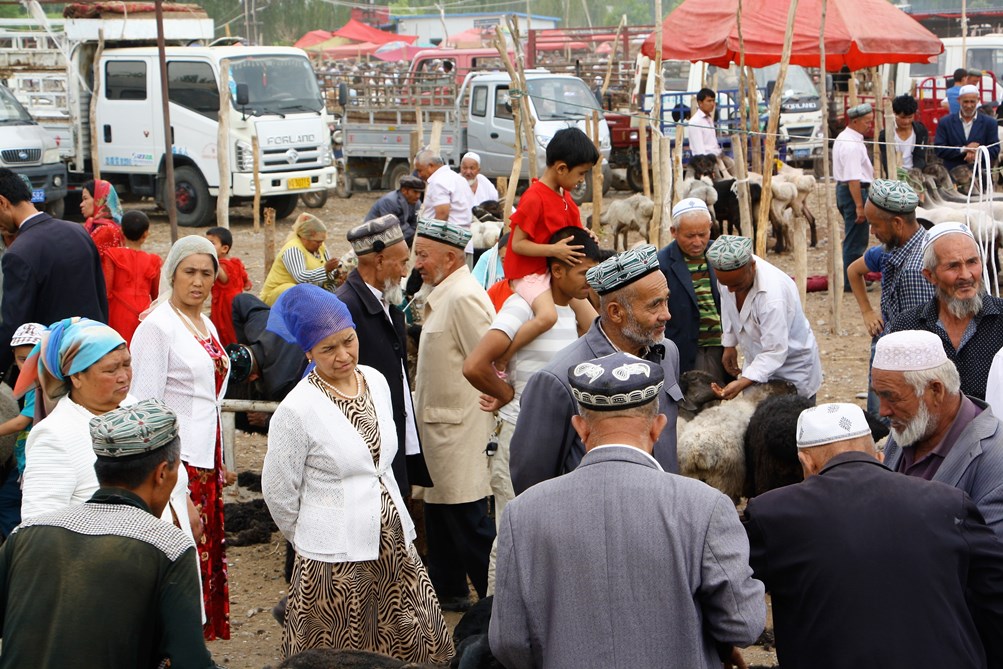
(28, 149)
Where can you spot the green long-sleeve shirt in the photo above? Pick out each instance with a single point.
(102, 584)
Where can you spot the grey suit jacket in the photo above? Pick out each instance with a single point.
(974, 464)
(619, 564)
(545, 445)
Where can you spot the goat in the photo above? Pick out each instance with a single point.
(726, 208)
(633, 213)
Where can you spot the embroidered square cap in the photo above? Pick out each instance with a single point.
(444, 232)
(133, 430)
(375, 235)
(623, 269)
(860, 110)
(909, 351)
(729, 252)
(896, 197)
(615, 381)
(829, 423)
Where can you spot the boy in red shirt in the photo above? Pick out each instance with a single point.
(545, 208)
(131, 275)
(230, 282)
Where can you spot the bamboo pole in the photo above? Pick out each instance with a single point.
(835, 255)
(269, 239)
(223, 150)
(656, 107)
(596, 171)
(256, 148)
(771, 132)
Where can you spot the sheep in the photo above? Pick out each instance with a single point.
(711, 444)
(471, 638)
(633, 213)
(771, 443)
(248, 523)
(726, 208)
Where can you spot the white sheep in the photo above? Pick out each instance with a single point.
(633, 213)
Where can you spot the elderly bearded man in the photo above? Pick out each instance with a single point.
(937, 432)
(960, 135)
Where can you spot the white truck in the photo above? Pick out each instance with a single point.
(476, 116)
(30, 150)
(273, 96)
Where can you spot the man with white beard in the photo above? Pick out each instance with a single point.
(968, 322)
(937, 432)
(480, 185)
(373, 293)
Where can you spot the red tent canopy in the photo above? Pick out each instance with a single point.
(312, 37)
(351, 50)
(360, 32)
(858, 34)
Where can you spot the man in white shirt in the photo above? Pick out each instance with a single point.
(761, 314)
(447, 195)
(703, 136)
(853, 172)
(480, 185)
(567, 283)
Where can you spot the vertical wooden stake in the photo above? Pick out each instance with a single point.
(741, 176)
(800, 258)
(642, 140)
(95, 161)
(415, 147)
(513, 183)
(677, 166)
(879, 120)
(269, 238)
(834, 226)
(665, 154)
(596, 170)
(256, 148)
(435, 140)
(223, 150)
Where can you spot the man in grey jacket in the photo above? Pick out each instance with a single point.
(619, 564)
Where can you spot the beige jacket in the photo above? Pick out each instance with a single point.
(454, 431)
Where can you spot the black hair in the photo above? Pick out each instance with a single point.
(13, 187)
(224, 236)
(606, 254)
(132, 471)
(705, 93)
(579, 237)
(134, 225)
(572, 147)
(904, 104)
(89, 186)
(960, 74)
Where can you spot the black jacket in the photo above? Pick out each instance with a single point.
(383, 346)
(919, 151)
(51, 271)
(684, 326)
(869, 568)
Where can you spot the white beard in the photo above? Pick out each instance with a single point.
(918, 428)
(393, 293)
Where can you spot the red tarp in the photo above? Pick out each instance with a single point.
(858, 34)
(472, 38)
(311, 38)
(360, 32)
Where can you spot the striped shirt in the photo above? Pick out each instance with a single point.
(296, 264)
(710, 319)
(536, 354)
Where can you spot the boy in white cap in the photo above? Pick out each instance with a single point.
(25, 338)
(862, 544)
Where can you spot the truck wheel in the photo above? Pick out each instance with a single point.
(56, 208)
(315, 200)
(393, 177)
(191, 195)
(343, 188)
(635, 178)
(580, 195)
(284, 205)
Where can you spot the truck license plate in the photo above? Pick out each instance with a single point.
(801, 153)
(299, 182)
(38, 195)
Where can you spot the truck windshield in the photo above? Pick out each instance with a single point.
(276, 85)
(561, 98)
(799, 94)
(11, 110)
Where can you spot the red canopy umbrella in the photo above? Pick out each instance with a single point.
(360, 32)
(858, 34)
(311, 38)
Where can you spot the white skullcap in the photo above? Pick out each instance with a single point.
(968, 89)
(948, 228)
(828, 423)
(28, 334)
(909, 351)
(473, 156)
(688, 205)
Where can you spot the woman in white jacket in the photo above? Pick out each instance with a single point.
(178, 359)
(328, 483)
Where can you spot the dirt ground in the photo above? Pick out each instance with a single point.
(255, 572)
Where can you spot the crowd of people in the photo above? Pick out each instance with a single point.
(538, 427)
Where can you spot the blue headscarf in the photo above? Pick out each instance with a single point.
(306, 313)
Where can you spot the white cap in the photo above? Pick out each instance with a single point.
(473, 156)
(968, 89)
(909, 351)
(947, 228)
(828, 423)
(688, 205)
(28, 334)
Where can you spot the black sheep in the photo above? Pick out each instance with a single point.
(726, 207)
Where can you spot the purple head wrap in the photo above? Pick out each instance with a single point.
(306, 313)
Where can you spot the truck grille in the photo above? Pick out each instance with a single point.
(302, 157)
(801, 133)
(15, 156)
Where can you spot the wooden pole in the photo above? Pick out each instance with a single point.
(170, 197)
(879, 120)
(800, 257)
(612, 56)
(223, 150)
(656, 108)
(519, 81)
(435, 140)
(269, 238)
(835, 255)
(256, 148)
(738, 140)
(756, 141)
(665, 153)
(677, 166)
(891, 153)
(771, 132)
(596, 172)
(741, 176)
(414, 147)
(95, 137)
(513, 182)
(642, 140)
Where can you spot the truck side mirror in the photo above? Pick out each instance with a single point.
(770, 85)
(342, 94)
(243, 97)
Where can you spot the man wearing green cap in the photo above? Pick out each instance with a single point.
(107, 583)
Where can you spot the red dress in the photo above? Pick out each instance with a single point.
(132, 279)
(205, 486)
(221, 313)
